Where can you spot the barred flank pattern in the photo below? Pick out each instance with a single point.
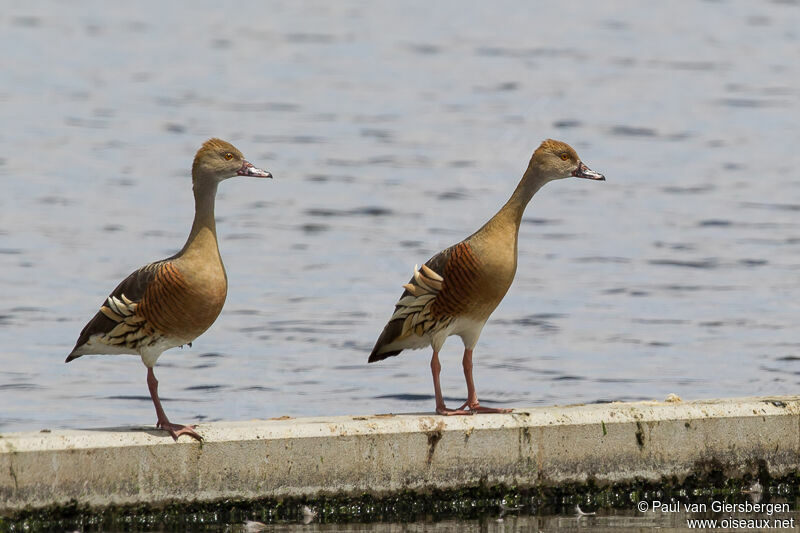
(166, 300)
(461, 283)
(442, 290)
(432, 301)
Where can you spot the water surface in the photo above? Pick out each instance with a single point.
(394, 130)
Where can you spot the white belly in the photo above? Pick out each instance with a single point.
(151, 353)
(468, 329)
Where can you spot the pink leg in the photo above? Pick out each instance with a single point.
(436, 367)
(472, 396)
(163, 422)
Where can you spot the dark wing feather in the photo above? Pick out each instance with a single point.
(394, 328)
(133, 288)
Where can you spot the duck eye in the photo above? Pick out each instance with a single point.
(228, 156)
(564, 156)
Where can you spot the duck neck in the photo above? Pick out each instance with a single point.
(203, 236)
(511, 213)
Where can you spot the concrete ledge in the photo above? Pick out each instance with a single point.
(383, 454)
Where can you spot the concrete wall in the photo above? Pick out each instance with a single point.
(380, 454)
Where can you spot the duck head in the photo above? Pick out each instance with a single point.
(219, 160)
(557, 160)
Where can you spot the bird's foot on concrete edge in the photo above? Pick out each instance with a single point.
(445, 411)
(176, 430)
(476, 408)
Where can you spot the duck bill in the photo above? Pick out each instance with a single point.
(252, 171)
(582, 171)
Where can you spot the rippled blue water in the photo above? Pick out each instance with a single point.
(394, 130)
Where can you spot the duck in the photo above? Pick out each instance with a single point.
(456, 290)
(171, 302)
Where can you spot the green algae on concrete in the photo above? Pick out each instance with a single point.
(405, 506)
